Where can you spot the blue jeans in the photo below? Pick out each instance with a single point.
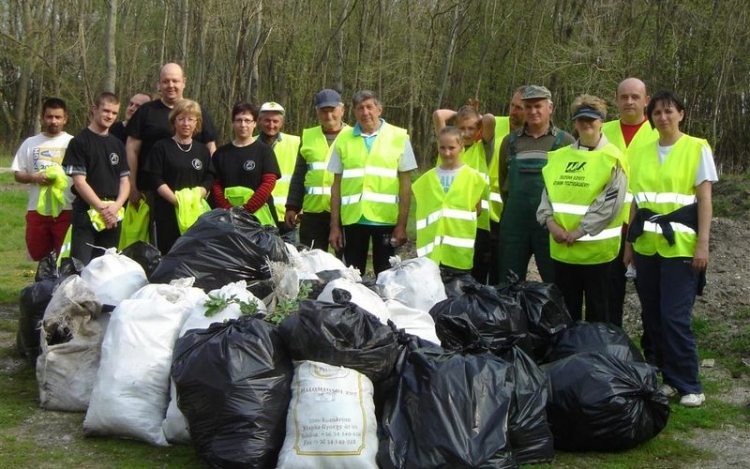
(667, 289)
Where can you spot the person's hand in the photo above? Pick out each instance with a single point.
(559, 235)
(399, 235)
(41, 179)
(336, 238)
(291, 218)
(700, 257)
(572, 236)
(135, 197)
(203, 191)
(109, 214)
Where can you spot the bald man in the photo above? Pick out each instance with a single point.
(630, 131)
(150, 123)
(119, 129)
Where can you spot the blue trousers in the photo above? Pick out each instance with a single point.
(667, 289)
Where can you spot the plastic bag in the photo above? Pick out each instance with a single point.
(114, 277)
(591, 337)
(414, 282)
(598, 402)
(222, 247)
(341, 335)
(331, 420)
(479, 320)
(131, 393)
(454, 281)
(545, 310)
(449, 411)
(412, 321)
(135, 224)
(33, 301)
(146, 255)
(233, 385)
(359, 294)
(528, 430)
(175, 425)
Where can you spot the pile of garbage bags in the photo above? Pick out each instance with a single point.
(262, 354)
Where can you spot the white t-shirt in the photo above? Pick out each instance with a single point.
(446, 176)
(35, 154)
(706, 166)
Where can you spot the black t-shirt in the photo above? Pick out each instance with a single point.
(102, 159)
(244, 166)
(170, 164)
(118, 130)
(150, 123)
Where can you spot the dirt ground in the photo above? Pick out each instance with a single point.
(726, 301)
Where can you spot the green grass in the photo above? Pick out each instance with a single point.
(17, 269)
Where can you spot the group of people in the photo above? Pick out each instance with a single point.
(630, 192)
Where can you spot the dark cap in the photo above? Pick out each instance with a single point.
(327, 98)
(586, 111)
(536, 92)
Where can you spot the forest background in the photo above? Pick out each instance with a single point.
(419, 55)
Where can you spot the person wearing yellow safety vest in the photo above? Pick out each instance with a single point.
(523, 154)
(503, 126)
(585, 185)
(245, 170)
(286, 148)
(309, 201)
(48, 211)
(98, 165)
(671, 182)
(629, 131)
(371, 190)
(180, 173)
(475, 128)
(448, 202)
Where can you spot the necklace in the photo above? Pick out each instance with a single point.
(182, 149)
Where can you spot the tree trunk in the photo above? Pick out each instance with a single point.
(110, 76)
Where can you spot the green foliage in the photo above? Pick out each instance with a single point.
(216, 304)
(286, 307)
(18, 270)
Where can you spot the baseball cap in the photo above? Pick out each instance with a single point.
(536, 92)
(586, 111)
(272, 107)
(327, 98)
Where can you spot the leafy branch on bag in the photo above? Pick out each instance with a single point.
(216, 304)
(286, 307)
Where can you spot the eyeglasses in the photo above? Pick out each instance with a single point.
(244, 121)
(189, 119)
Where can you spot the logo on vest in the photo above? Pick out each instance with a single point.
(114, 159)
(575, 166)
(197, 164)
(249, 165)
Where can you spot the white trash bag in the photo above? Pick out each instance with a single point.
(414, 282)
(413, 321)
(114, 277)
(331, 420)
(361, 296)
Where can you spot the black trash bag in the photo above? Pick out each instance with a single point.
(598, 402)
(593, 337)
(528, 430)
(34, 298)
(145, 254)
(341, 334)
(545, 310)
(233, 385)
(222, 247)
(449, 411)
(454, 281)
(480, 320)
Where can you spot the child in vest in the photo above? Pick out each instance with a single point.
(448, 200)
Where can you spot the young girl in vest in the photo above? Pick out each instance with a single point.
(478, 138)
(449, 199)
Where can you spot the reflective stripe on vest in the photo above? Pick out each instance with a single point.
(369, 182)
(573, 180)
(447, 221)
(286, 151)
(502, 128)
(663, 188)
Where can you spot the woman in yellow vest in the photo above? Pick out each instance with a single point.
(478, 139)
(581, 206)
(448, 201)
(670, 222)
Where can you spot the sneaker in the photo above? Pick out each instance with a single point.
(693, 400)
(668, 390)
